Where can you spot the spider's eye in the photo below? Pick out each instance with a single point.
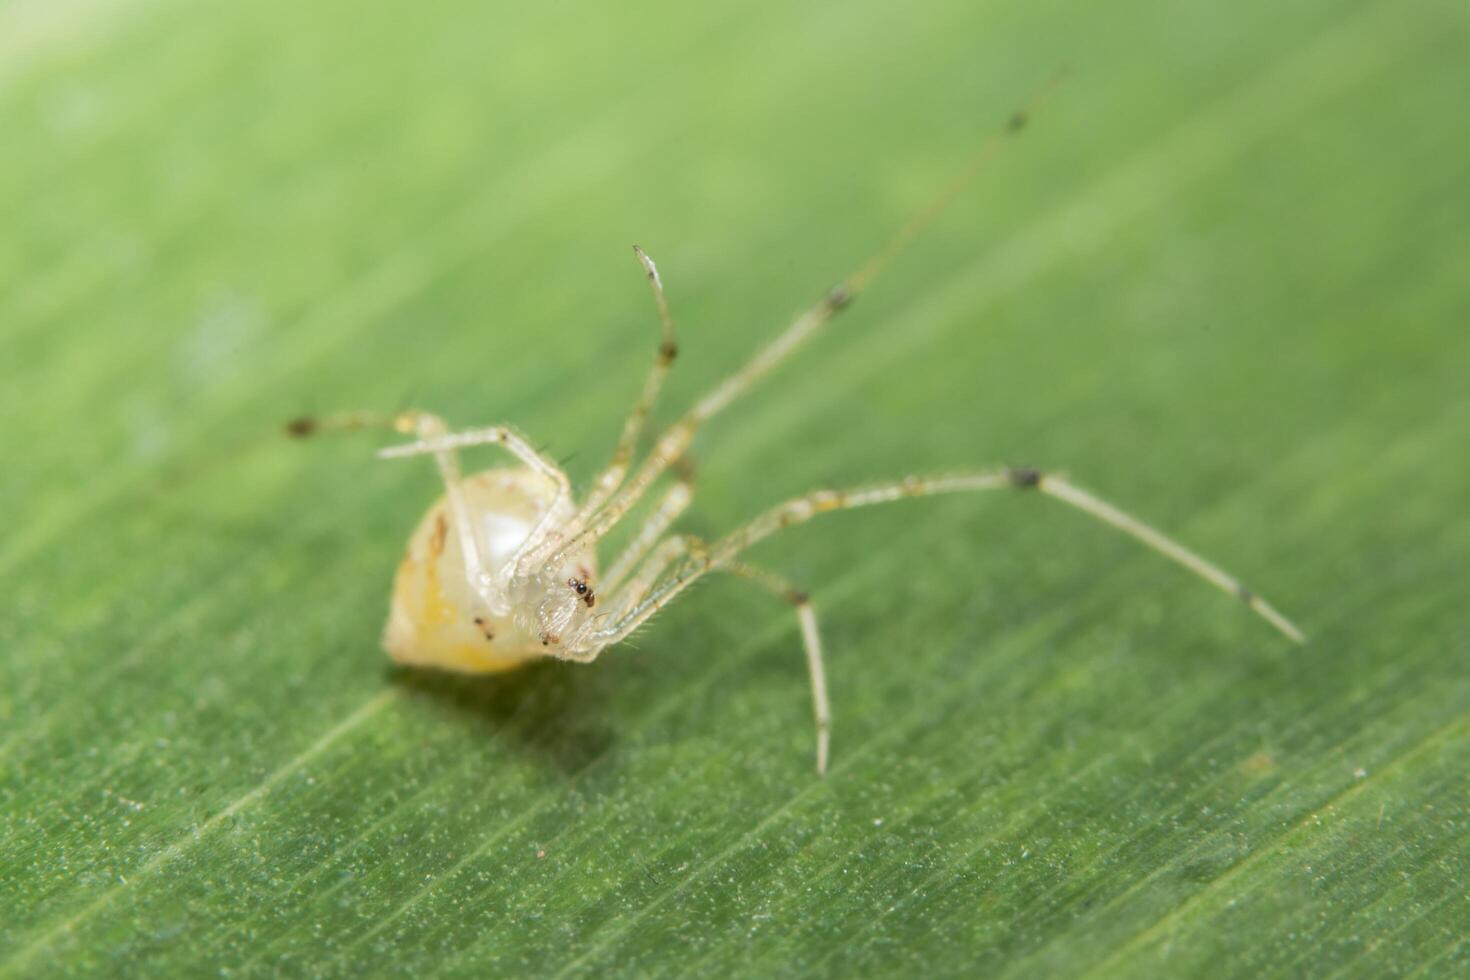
(579, 585)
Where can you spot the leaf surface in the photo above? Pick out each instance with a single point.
(1220, 281)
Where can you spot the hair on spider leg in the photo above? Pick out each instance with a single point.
(523, 560)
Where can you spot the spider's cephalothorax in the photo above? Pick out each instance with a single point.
(503, 568)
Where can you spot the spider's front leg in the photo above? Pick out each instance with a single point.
(617, 467)
(613, 496)
(612, 475)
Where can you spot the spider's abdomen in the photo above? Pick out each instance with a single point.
(435, 617)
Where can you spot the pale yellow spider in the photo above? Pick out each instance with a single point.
(503, 569)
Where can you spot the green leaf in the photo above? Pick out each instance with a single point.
(1221, 280)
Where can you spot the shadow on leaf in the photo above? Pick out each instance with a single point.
(549, 710)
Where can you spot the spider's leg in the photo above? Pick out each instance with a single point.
(310, 425)
(674, 502)
(617, 468)
(1055, 486)
(623, 599)
(442, 446)
(437, 441)
(428, 427)
(811, 639)
(676, 439)
(618, 600)
(689, 547)
(809, 505)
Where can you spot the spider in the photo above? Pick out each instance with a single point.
(503, 569)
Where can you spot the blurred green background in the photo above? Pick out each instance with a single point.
(1222, 281)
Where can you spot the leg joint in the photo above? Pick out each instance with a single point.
(1024, 477)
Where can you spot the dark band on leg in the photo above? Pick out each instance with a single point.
(1024, 477)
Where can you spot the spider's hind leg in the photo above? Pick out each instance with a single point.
(690, 549)
(811, 640)
(800, 509)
